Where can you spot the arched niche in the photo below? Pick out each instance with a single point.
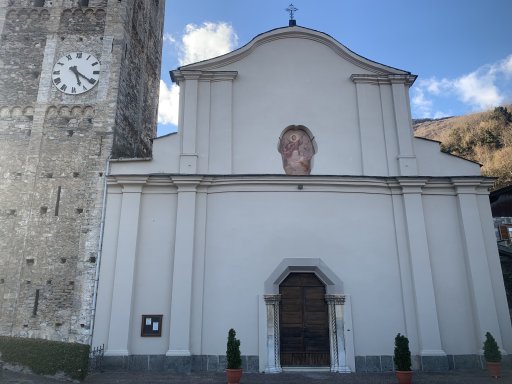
(297, 147)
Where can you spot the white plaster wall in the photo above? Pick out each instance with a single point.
(248, 235)
(449, 274)
(153, 276)
(234, 125)
(165, 159)
(240, 231)
(295, 81)
(250, 228)
(433, 162)
(496, 272)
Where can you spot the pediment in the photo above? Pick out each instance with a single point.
(295, 33)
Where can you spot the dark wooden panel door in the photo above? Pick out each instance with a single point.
(303, 322)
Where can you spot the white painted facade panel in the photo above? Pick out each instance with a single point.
(449, 273)
(154, 267)
(265, 228)
(399, 233)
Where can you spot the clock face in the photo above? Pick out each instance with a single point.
(76, 72)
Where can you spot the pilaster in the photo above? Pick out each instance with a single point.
(181, 294)
(220, 146)
(400, 84)
(273, 352)
(424, 294)
(336, 333)
(477, 266)
(121, 313)
(406, 158)
(404, 262)
(188, 158)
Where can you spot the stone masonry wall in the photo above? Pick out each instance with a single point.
(139, 84)
(53, 152)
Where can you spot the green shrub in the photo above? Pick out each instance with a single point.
(45, 357)
(492, 352)
(233, 358)
(402, 356)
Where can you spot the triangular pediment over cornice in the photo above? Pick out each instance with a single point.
(295, 33)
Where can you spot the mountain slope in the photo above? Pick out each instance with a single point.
(484, 137)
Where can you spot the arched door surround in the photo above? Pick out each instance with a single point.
(341, 345)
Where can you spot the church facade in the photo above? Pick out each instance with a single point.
(295, 206)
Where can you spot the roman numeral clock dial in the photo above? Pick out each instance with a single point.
(76, 72)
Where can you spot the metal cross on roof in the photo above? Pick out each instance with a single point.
(291, 9)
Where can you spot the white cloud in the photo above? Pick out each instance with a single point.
(206, 41)
(168, 38)
(422, 104)
(506, 66)
(478, 90)
(168, 104)
(435, 86)
(197, 43)
(439, 114)
(484, 88)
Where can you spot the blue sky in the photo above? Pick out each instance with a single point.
(461, 50)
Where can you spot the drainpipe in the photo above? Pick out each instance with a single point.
(100, 248)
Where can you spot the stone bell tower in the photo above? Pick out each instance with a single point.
(79, 84)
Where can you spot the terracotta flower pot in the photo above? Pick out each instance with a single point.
(404, 377)
(234, 375)
(494, 369)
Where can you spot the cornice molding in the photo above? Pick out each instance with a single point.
(473, 185)
(412, 185)
(180, 75)
(210, 184)
(406, 79)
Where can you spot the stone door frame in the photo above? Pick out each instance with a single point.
(340, 314)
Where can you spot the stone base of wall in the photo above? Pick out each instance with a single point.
(374, 363)
(424, 363)
(175, 364)
(216, 363)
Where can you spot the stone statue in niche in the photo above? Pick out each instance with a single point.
(297, 151)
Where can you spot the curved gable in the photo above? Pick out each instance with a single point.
(233, 106)
(296, 33)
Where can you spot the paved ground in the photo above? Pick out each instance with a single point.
(470, 377)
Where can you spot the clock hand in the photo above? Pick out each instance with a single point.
(75, 71)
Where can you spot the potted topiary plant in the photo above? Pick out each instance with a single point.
(233, 358)
(402, 359)
(492, 355)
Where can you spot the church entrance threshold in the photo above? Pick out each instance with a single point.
(304, 322)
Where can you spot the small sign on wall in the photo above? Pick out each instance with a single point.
(151, 326)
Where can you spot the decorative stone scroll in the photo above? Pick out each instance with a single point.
(273, 352)
(337, 339)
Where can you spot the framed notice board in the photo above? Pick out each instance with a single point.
(151, 326)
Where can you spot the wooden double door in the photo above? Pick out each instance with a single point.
(303, 322)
